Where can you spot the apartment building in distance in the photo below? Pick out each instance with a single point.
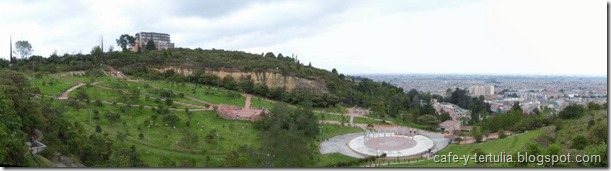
(482, 90)
(162, 40)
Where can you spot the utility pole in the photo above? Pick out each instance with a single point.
(102, 49)
(11, 49)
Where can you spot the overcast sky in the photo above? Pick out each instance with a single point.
(407, 36)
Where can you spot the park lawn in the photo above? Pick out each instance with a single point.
(120, 84)
(90, 79)
(161, 140)
(52, 86)
(338, 118)
(258, 102)
(409, 124)
(325, 160)
(329, 130)
(331, 117)
(511, 144)
(367, 121)
(206, 93)
(96, 93)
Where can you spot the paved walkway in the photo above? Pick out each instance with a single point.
(339, 144)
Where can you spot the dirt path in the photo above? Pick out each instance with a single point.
(247, 101)
(67, 92)
(115, 73)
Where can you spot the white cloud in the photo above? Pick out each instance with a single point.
(417, 36)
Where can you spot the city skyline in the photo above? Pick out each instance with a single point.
(356, 37)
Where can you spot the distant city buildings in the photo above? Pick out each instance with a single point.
(161, 40)
(544, 93)
(481, 90)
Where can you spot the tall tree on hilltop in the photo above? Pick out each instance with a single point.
(126, 41)
(24, 48)
(270, 55)
(150, 45)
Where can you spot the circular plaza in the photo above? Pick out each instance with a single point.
(391, 143)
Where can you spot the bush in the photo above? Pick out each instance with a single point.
(594, 106)
(598, 133)
(501, 133)
(572, 111)
(579, 142)
(479, 151)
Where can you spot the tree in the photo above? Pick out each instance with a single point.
(572, 111)
(598, 149)
(126, 157)
(594, 106)
(536, 111)
(96, 51)
(269, 55)
(150, 45)
(229, 82)
(516, 107)
(24, 48)
(579, 142)
(126, 41)
(169, 102)
(96, 115)
(444, 116)
(98, 129)
(477, 134)
(501, 133)
(112, 117)
(598, 133)
(171, 119)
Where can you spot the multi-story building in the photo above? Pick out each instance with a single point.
(482, 90)
(161, 40)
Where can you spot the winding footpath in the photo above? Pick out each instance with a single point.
(65, 95)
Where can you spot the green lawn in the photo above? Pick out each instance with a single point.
(51, 86)
(206, 93)
(162, 140)
(358, 120)
(335, 130)
(260, 102)
(510, 144)
(328, 159)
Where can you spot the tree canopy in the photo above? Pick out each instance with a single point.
(126, 41)
(23, 48)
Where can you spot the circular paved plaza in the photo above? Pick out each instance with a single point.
(393, 145)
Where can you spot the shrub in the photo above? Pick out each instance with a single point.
(579, 142)
(501, 133)
(572, 111)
